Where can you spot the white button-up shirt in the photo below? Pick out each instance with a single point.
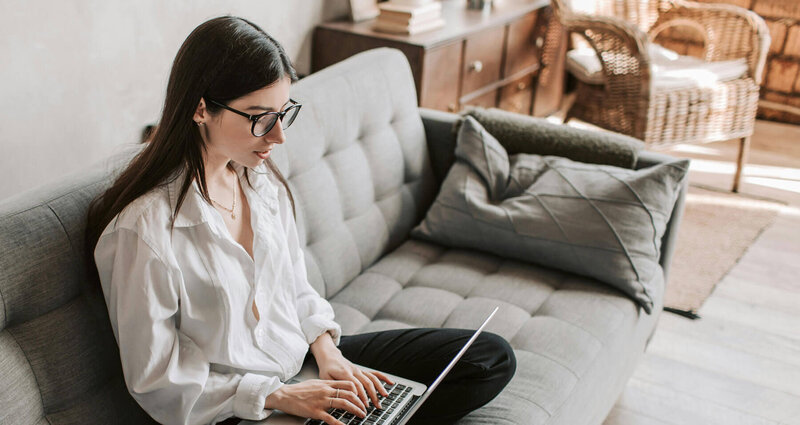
(180, 302)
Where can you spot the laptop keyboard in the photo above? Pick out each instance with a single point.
(398, 393)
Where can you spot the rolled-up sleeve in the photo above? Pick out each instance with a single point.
(314, 312)
(165, 370)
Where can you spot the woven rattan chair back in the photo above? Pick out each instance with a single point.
(620, 30)
(643, 14)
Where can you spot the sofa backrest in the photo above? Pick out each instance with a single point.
(357, 164)
(58, 358)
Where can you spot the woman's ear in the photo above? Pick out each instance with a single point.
(201, 113)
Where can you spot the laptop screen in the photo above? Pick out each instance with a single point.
(446, 370)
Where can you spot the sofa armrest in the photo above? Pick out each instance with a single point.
(648, 159)
(520, 133)
(441, 140)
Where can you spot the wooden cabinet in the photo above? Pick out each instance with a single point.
(482, 59)
(489, 59)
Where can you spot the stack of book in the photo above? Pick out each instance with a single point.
(409, 16)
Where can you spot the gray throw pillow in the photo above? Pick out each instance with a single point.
(594, 220)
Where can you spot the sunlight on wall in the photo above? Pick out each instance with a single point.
(82, 77)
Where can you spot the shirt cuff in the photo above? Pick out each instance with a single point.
(316, 325)
(251, 395)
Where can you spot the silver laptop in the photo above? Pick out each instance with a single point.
(405, 396)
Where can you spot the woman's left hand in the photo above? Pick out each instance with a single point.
(367, 382)
(334, 366)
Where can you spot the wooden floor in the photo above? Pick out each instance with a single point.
(740, 363)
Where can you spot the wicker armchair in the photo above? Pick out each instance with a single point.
(627, 100)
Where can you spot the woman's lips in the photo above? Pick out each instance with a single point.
(263, 154)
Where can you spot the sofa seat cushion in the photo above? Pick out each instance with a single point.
(564, 328)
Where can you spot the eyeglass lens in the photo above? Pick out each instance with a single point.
(266, 122)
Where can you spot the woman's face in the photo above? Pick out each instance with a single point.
(228, 135)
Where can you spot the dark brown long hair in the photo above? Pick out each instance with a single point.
(222, 59)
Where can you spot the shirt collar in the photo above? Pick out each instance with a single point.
(192, 212)
(194, 208)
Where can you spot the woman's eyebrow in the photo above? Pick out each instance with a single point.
(266, 108)
(262, 108)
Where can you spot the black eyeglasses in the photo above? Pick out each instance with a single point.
(263, 123)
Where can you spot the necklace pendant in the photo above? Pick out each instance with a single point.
(233, 216)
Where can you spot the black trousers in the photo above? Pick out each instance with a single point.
(421, 354)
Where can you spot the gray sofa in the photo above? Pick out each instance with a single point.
(364, 164)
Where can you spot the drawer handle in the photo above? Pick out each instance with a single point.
(539, 42)
(477, 66)
(521, 86)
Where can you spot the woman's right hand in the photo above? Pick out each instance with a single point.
(313, 398)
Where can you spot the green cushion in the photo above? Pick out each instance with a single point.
(525, 134)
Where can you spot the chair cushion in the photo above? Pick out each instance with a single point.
(670, 71)
(595, 220)
(567, 331)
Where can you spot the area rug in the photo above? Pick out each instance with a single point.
(716, 229)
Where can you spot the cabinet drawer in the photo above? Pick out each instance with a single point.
(517, 96)
(483, 56)
(439, 85)
(523, 45)
(488, 100)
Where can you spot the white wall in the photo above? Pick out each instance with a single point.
(78, 78)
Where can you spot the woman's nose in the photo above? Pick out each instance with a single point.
(276, 134)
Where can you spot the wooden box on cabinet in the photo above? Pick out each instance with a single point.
(489, 59)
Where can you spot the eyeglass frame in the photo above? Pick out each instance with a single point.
(255, 118)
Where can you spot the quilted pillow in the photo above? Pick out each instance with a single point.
(594, 220)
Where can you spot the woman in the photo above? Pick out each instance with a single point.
(199, 261)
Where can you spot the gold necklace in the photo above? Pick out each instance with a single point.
(233, 207)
